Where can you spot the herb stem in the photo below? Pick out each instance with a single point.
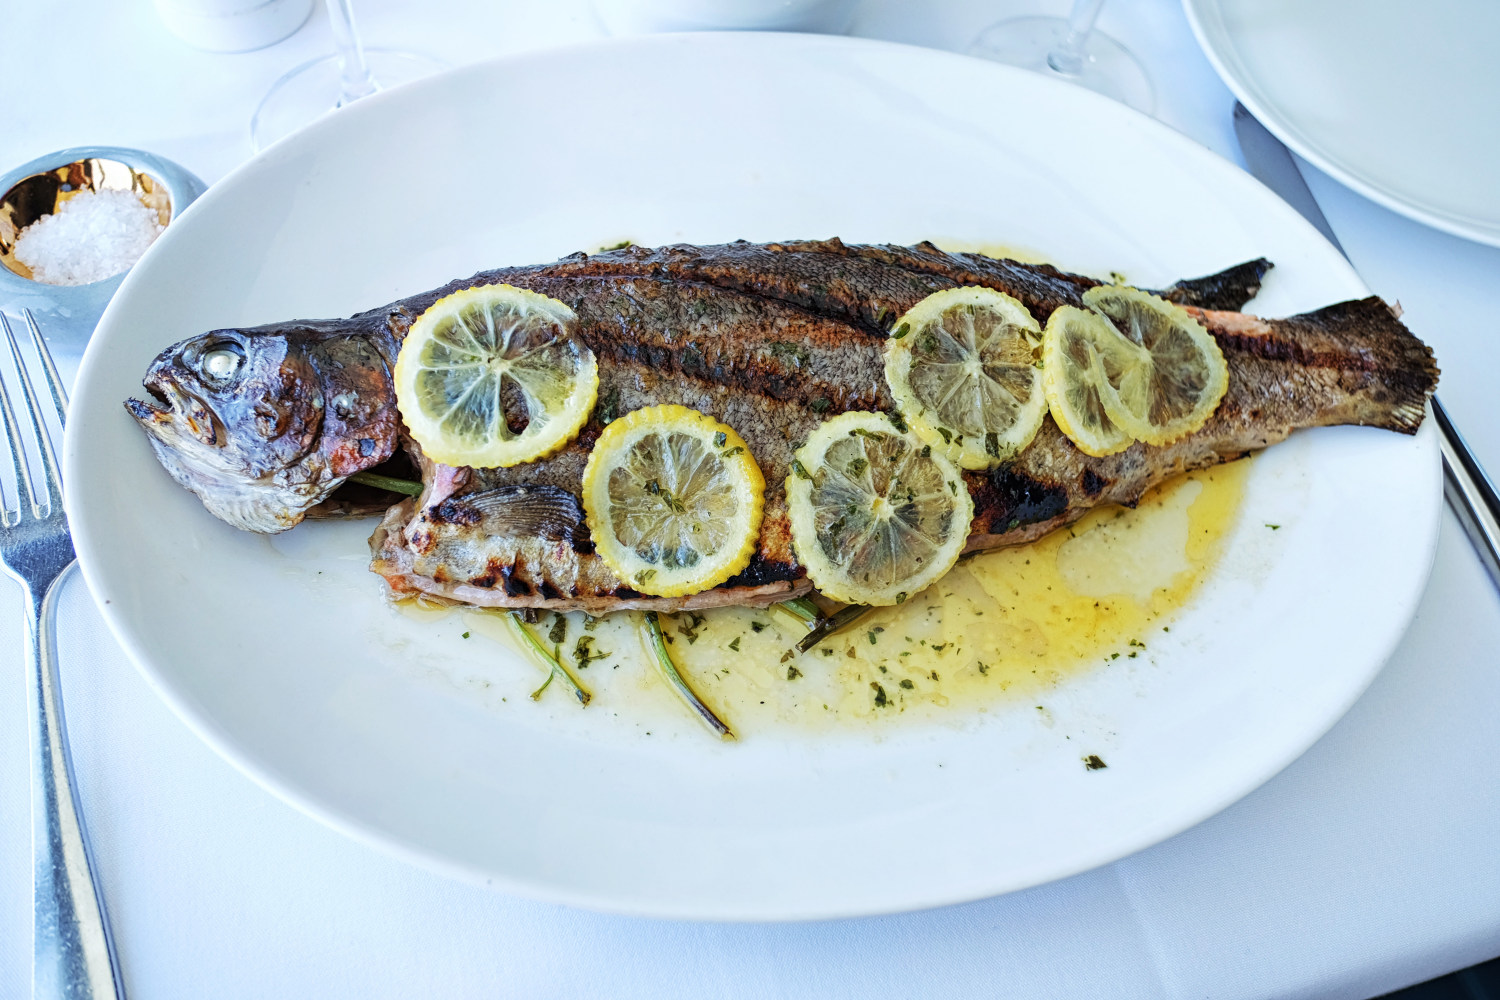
(554, 665)
(410, 487)
(839, 620)
(679, 684)
(802, 609)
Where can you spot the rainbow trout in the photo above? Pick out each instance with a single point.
(266, 424)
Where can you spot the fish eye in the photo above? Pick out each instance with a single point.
(222, 361)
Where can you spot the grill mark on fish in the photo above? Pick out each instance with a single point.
(772, 340)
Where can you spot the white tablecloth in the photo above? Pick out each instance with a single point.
(1369, 864)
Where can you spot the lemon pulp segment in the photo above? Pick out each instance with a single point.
(494, 376)
(961, 365)
(673, 499)
(876, 515)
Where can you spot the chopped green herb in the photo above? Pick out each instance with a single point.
(799, 470)
(821, 404)
(1094, 763)
(608, 407)
(583, 652)
(720, 439)
(758, 626)
(901, 331)
(897, 421)
(1274, 527)
(788, 351)
(690, 630)
(906, 683)
(792, 673)
(880, 699)
(466, 635)
(559, 630)
(735, 645)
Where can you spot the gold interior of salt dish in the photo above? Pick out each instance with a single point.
(42, 194)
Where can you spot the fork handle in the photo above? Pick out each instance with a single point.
(73, 956)
(1470, 493)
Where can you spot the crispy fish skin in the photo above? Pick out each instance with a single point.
(772, 339)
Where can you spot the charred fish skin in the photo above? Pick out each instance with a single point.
(773, 339)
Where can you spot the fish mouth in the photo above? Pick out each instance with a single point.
(171, 409)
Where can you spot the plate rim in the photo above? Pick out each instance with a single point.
(367, 831)
(1349, 175)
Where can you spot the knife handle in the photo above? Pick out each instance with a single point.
(1470, 493)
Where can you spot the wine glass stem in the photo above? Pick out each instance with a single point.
(355, 79)
(1068, 57)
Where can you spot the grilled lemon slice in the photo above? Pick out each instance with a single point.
(876, 515)
(1074, 381)
(494, 376)
(673, 499)
(1165, 374)
(961, 365)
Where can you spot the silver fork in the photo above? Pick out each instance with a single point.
(72, 955)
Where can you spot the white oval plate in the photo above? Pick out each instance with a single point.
(283, 655)
(1395, 99)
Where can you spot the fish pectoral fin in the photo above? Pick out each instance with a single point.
(520, 512)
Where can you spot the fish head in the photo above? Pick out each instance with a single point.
(263, 425)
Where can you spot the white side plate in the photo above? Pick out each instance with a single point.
(1395, 99)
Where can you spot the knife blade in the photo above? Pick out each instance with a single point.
(1466, 486)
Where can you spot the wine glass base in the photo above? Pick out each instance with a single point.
(312, 90)
(1108, 67)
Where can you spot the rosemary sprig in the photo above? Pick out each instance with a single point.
(407, 486)
(555, 667)
(839, 620)
(669, 671)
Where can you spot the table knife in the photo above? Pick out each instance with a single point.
(1468, 489)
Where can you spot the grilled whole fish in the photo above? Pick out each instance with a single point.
(264, 424)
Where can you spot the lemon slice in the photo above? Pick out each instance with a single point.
(494, 376)
(673, 499)
(1073, 351)
(961, 365)
(1165, 374)
(876, 515)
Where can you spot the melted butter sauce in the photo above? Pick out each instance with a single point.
(1001, 626)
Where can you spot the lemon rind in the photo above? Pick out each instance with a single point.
(615, 440)
(821, 570)
(500, 453)
(961, 449)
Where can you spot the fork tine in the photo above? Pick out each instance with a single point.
(49, 369)
(53, 498)
(10, 517)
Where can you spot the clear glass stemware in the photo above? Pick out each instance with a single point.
(1070, 49)
(325, 84)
